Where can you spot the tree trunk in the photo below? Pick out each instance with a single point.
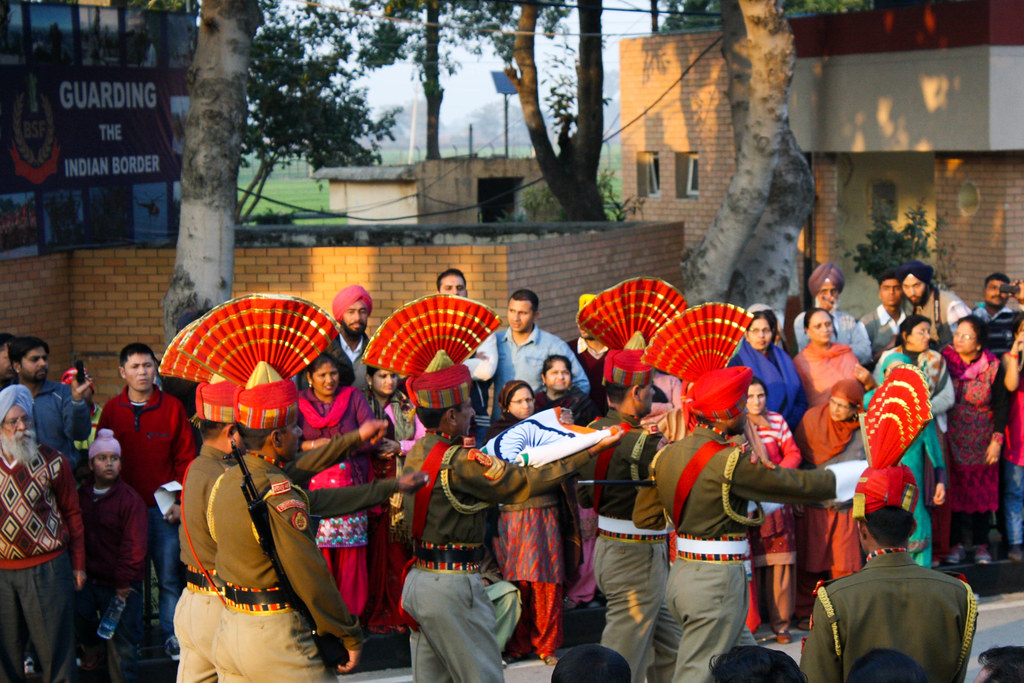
(432, 79)
(205, 259)
(768, 263)
(760, 54)
(571, 175)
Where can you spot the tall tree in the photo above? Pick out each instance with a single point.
(418, 29)
(571, 173)
(301, 100)
(204, 262)
(771, 191)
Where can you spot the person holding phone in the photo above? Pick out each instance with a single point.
(1013, 452)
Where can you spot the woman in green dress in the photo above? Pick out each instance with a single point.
(926, 446)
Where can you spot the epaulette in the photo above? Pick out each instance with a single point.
(830, 612)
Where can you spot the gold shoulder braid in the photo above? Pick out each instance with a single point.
(459, 506)
(634, 456)
(830, 612)
(209, 507)
(730, 468)
(969, 626)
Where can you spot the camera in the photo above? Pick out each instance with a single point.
(1009, 289)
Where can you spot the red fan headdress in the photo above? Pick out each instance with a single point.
(428, 339)
(259, 341)
(624, 318)
(641, 305)
(702, 339)
(898, 413)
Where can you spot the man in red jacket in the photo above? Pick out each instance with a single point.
(115, 523)
(156, 448)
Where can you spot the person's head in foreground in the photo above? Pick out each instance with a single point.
(883, 665)
(1001, 665)
(755, 664)
(591, 664)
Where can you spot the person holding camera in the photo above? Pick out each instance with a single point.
(996, 314)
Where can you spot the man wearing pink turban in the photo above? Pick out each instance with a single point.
(826, 284)
(352, 307)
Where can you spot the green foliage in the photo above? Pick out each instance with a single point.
(539, 204)
(301, 100)
(889, 245)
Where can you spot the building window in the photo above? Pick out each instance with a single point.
(883, 196)
(648, 175)
(686, 175)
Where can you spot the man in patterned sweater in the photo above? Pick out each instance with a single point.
(41, 523)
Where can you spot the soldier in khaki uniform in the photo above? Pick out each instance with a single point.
(200, 606)
(705, 482)
(630, 561)
(260, 631)
(453, 636)
(892, 602)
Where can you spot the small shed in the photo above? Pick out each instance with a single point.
(452, 190)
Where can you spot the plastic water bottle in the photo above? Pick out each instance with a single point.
(108, 624)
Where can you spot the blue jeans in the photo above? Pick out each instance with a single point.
(1013, 501)
(90, 603)
(165, 553)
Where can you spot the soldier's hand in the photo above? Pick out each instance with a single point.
(353, 660)
(386, 448)
(372, 431)
(412, 482)
(607, 442)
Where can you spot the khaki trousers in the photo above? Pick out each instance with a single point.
(267, 647)
(710, 601)
(195, 620)
(456, 639)
(638, 625)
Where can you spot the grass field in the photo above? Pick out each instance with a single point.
(292, 185)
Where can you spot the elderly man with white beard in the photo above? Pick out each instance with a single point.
(42, 546)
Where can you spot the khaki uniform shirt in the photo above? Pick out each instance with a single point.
(241, 561)
(892, 603)
(213, 462)
(470, 481)
(729, 475)
(631, 459)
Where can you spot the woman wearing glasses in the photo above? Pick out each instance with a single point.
(976, 425)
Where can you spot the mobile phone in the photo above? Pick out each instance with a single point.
(79, 372)
(1009, 289)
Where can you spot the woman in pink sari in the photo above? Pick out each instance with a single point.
(976, 432)
(327, 408)
(824, 362)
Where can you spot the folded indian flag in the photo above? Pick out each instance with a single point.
(541, 439)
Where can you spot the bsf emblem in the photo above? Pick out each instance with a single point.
(300, 521)
(35, 151)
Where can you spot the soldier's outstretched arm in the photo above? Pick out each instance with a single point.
(314, 461)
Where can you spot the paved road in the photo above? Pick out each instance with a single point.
(1000, 622)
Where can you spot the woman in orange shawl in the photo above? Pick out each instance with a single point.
(824, 362)
(826, 536)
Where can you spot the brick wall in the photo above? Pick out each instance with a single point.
(693, 117)
(39, 301)
(88, 304)
(560, 269)
(990, 239)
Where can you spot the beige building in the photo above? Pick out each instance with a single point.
(914, 105)
(453, 190)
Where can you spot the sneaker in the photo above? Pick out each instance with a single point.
(957, 554)
(982, 555)
(1015, 554)
(172, 648)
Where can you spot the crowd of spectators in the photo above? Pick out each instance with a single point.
(109, 473)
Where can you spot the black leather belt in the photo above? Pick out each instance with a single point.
(255, 597)
(197, 578)
(449, 555)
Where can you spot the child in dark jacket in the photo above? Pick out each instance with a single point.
(115, 521)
